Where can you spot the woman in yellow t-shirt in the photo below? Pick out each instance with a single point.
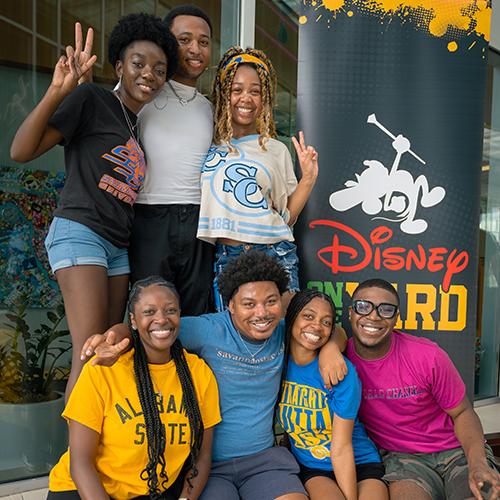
(143, 427)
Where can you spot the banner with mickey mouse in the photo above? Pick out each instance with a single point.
(392, 96)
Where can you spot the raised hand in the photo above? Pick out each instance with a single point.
(82, 56)
(308, 157)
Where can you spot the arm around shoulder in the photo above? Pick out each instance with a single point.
(332, 365)
(109, 346)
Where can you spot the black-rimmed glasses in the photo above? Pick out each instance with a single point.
(365, 307)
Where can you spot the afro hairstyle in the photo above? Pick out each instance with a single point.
(251, 267)
(135, 27)
(187, 10)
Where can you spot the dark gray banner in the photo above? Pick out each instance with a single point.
(393, 100)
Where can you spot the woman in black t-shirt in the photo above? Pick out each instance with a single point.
(88, 239)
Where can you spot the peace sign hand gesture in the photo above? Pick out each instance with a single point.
(76, 64)
(84, 56)
(308, 158)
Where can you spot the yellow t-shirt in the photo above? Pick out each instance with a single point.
(106, 400)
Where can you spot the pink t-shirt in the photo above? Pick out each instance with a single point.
(405, 394)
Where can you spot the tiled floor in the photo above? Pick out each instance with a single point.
(29, 495)
(489, 415)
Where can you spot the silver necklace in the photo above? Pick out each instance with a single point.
(129, 123)
(248, 350)
(160, 395)
(181, 100)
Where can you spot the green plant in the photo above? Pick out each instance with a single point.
(28, 361)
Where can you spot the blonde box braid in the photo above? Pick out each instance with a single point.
(155, 430)
(221, 97)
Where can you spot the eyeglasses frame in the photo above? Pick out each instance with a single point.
(374, 307)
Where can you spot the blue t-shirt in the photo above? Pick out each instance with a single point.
(306, 413)
(247, 388)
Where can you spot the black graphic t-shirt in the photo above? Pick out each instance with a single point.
(104, 165)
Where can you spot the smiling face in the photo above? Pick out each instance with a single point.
(311, 329)
(193, 36)
(143, 72)
(157, 318)
(246, 101)
(372, 334)
(256, 309)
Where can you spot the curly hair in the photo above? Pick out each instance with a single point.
(187, 10)
(221, 96)
(136, 27)
(251, 267)
(155, 430)
(298, 302)
(377, 283)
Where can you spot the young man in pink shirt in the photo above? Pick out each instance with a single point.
(414, 407)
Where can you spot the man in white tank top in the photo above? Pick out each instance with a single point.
(176, 132)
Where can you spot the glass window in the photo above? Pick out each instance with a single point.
(277, 34)
(487, 341)
(31, 41)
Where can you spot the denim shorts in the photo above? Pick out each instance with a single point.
(285, 253)
(70, 243)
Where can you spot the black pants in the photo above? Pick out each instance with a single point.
(163, 242)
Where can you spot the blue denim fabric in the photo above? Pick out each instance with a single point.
(70, 243)
(285, 252)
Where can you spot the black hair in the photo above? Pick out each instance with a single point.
(297, 303)
(377, 283)
(155, 430)
(251, 267)
(187, 10)
(136, 27)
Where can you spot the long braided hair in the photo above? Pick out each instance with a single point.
(221, 96)
(298, 302)
(155, 430)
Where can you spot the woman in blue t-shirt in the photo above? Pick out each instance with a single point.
(337, 459)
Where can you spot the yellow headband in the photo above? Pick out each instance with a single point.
(242, 58)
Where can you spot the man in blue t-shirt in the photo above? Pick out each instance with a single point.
(244, 347)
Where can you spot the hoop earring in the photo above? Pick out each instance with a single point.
(166, 102)
(119, 84)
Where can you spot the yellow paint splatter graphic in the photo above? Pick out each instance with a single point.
(450, 19)
(333, 4)
(302, 19)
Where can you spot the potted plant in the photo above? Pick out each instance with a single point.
(34, 435)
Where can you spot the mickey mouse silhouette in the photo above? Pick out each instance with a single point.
(376, 182)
